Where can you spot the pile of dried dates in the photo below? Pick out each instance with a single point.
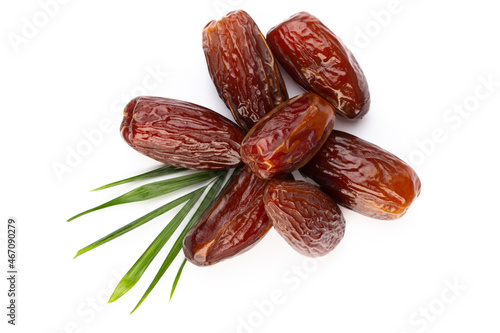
(273, 136)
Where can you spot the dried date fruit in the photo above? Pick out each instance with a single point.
(287, 137)
(363, 177)
(234, 223)
(307, 218)
(321, 63)
(242, 67)
(181, 134)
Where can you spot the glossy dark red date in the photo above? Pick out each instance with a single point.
(234, 223)
(242, 67)
(307, 218)
(181, 134)
(363, 177)
(288, 136)
(321, 63)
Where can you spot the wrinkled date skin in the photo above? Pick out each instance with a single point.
(181, 134)
(288, 136)
(307, 218)
(363, 177)
(321, 63)
(234, 223)
(242, 67)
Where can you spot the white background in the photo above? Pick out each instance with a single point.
(434, 270)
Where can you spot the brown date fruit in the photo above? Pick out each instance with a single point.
(234, 222)
(363, 177)
(307, 218)
(181, 134)
(321, 63)
(242, 67)
(287, 137)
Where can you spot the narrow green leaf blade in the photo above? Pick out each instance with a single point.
(140, 266)
(211, 195)
(136, 223)
(164, 170)
(179, 272)
(155, 189)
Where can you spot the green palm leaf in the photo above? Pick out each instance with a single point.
(140, 266)
(162, 171)
(176, 248)
(179, 272)
(155, 189)
(136, 223)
